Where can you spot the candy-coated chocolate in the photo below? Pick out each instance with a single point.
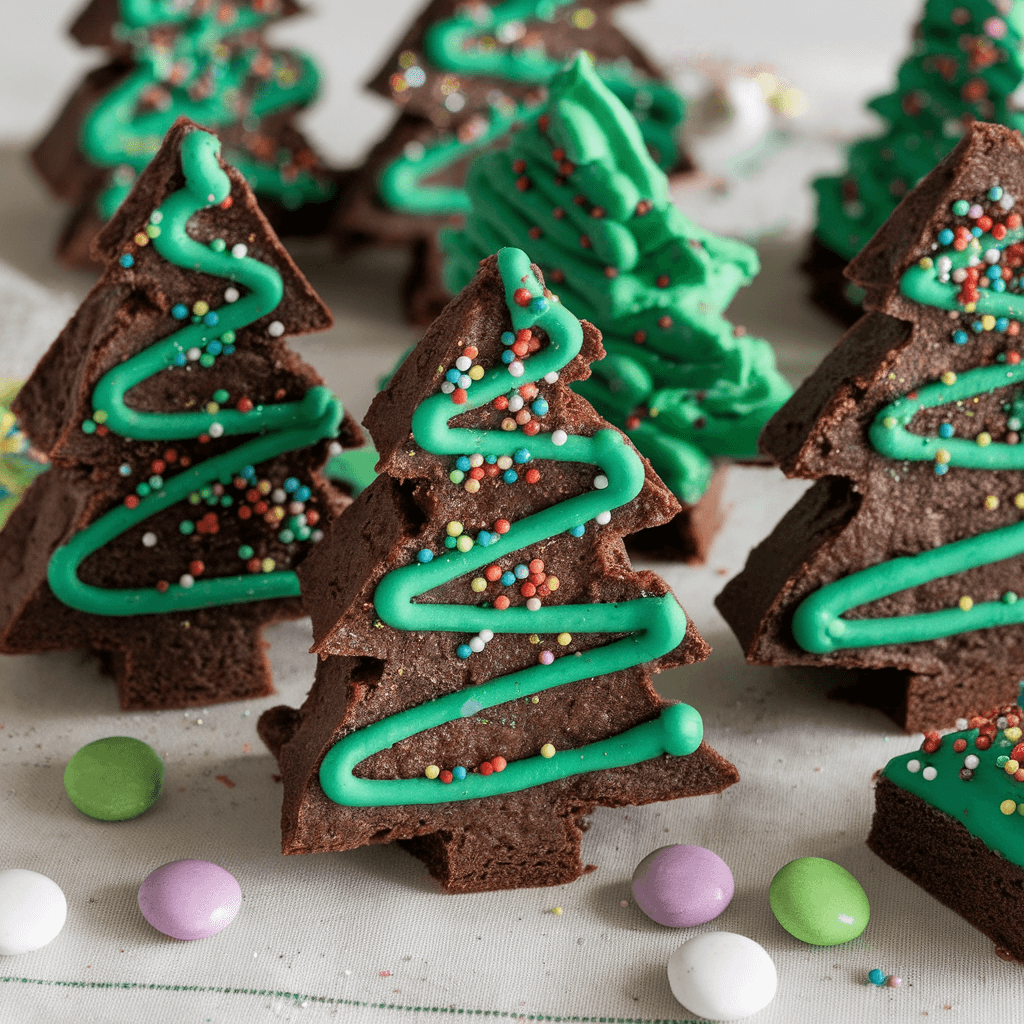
(114, 779)
(818, 901)
(722, 976)
(32, 911)
(190, 899)
(682, 886)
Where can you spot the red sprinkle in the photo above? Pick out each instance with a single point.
(244, 512)
(528, 589)
(521, 297)
(983, 743)
(459, 396)
(531, 428)
(932, 742)
(132, 501)
(254, 565)
(632, 422)
(486, 768)
(500, 403)
(501, 602)
(170, 455)
(312, 517)
(163, 586)
(536, 565)
(493, 573)
(446, 776)
(501, 526)
(960, 745)
(1013, 358)
(1017, 754)
(245, 405)
(158, 465)
(498, 763)
(227, 203)
(532, 476)
(196, 568)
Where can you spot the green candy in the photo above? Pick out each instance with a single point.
(115, 778)
(819, 902)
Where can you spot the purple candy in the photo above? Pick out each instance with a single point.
(190, 899)
(681, 886)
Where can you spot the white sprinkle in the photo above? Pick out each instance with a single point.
(155, 217)
(296, 507)
(972, 761)
(515, 403)
(929, 773)
(215, 429)
(193, 353)
(533, 604)
(463, 363)
(186, 581)
(601, 482)
(961, 724)
(414, 151)
(559, 437)
(455, 102)
(447, 387)
(476, 645)
(992, 255)
(316, 536)
(516, 368)
(231, 294)
(913, 765)
(334, 448)
(278, 495)
(603, 518)
(944, 264)
(1007, 202)
(275, 328)
(551, 377)
(239, 251)
(149, 539)
(486, 635)
(210, 197)
(959, 275)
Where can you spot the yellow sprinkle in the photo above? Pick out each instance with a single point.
(557, 911)
(268, 565)
(212, 407)
(153, 231)
(141, 238)
(1008, 806)
(479, 585)
(476, 372)
(406, 59)
(988, 322)
(100, 416)
(1010, 766)
(564, 639)
(548, 750)
(535, 700)
(970, 307)
(889, 422)
(504, 462)
(984, 439)
(534, 639)
(431, 771)
(508, 423)
(1013, 733)
(464, 543)
(991, 502)
(942, 456)
(471, 486)
(201, 308)
(949, 377)
(552, 582)
(925, 263)
(966, 603)
(1018, 500)
(582, 17)
(454, 528)
(264, 487)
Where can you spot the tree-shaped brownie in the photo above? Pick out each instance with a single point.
(462, 76)
(208, 62)
(486, 648)
(577, 188)
(967, 64)
(186, 440)
(907, 553)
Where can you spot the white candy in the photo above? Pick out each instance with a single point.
(972, 761)
(32, 911)
(929, 773)
(913, 765)
(722, 976)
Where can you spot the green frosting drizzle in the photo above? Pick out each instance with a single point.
(455, 45)
(204, 75)
(655, 625)
(283, 427)
(988, 801)
(817, 623)
(967, 62)
(579, 191)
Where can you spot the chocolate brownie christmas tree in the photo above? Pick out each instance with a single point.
(463, 76)
(907, 553)
(208, 62)
(185, 440)
(577, 188)
(486, 648)
(967, 64)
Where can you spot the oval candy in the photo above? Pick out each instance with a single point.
(190, 899)
(682, 886)
(32, 911)
(819, 901)
(114, 779)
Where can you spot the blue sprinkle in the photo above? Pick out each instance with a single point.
(960, 337)
(540, 407)
(977, 232)
(450, 542)
(993, 272)
(249, 472)
(977, 327)
(999, 286)
(507, 356)
(127, 260)
(539, 304)
(303, 494)
(463, 651)
(228, 349)
(463, 463)
(1002, 323)
(876, 977)
(995, 193)
(578, 531)
(521, 572)
(459, 773)
(465, 381)
(946, 237)
(508, 578)
(452, 376)
(179, 311)
(483, 538)
(941, 469)
(946, 430)
(124, 469)
(424, 555)
(491, 460)
(521, 456)
(211, 319)
(214, 347)
(508, 338)
(291, 484)
(510, 476)
(179, 359)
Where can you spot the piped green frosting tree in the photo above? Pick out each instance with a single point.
(205, 61)
(967, 64)
(578, 190)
